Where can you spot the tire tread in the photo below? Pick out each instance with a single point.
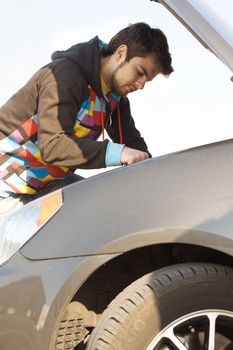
(156, 283)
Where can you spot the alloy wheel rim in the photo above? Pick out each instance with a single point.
(200, 330)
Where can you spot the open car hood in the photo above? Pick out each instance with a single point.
(206, 25)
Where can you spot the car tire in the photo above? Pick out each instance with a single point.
(182, 298)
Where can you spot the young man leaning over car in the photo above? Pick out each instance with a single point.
(50, 127)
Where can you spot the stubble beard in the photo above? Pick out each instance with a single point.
(114, 81)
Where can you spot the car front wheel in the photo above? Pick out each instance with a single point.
(186, 306)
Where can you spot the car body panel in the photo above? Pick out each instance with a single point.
(206, 25)
(182, 199)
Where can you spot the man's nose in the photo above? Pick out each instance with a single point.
(141, 83)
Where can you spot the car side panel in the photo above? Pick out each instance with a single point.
(33, 295)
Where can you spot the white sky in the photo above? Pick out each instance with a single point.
(191, 107)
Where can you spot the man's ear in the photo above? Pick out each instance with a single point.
(121, 53)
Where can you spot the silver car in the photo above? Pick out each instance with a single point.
(147, 263)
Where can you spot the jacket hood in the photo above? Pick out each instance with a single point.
(87, 56)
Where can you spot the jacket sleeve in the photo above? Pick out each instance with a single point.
(57, 111)
(131, 136)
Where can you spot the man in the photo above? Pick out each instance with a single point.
(50, 127)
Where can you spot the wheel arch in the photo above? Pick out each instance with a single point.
(111, 278)
(95, 290)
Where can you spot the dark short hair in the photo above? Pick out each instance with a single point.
(142, 40)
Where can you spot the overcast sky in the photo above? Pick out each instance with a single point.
(191, 107)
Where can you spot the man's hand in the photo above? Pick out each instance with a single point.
(131, 156)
